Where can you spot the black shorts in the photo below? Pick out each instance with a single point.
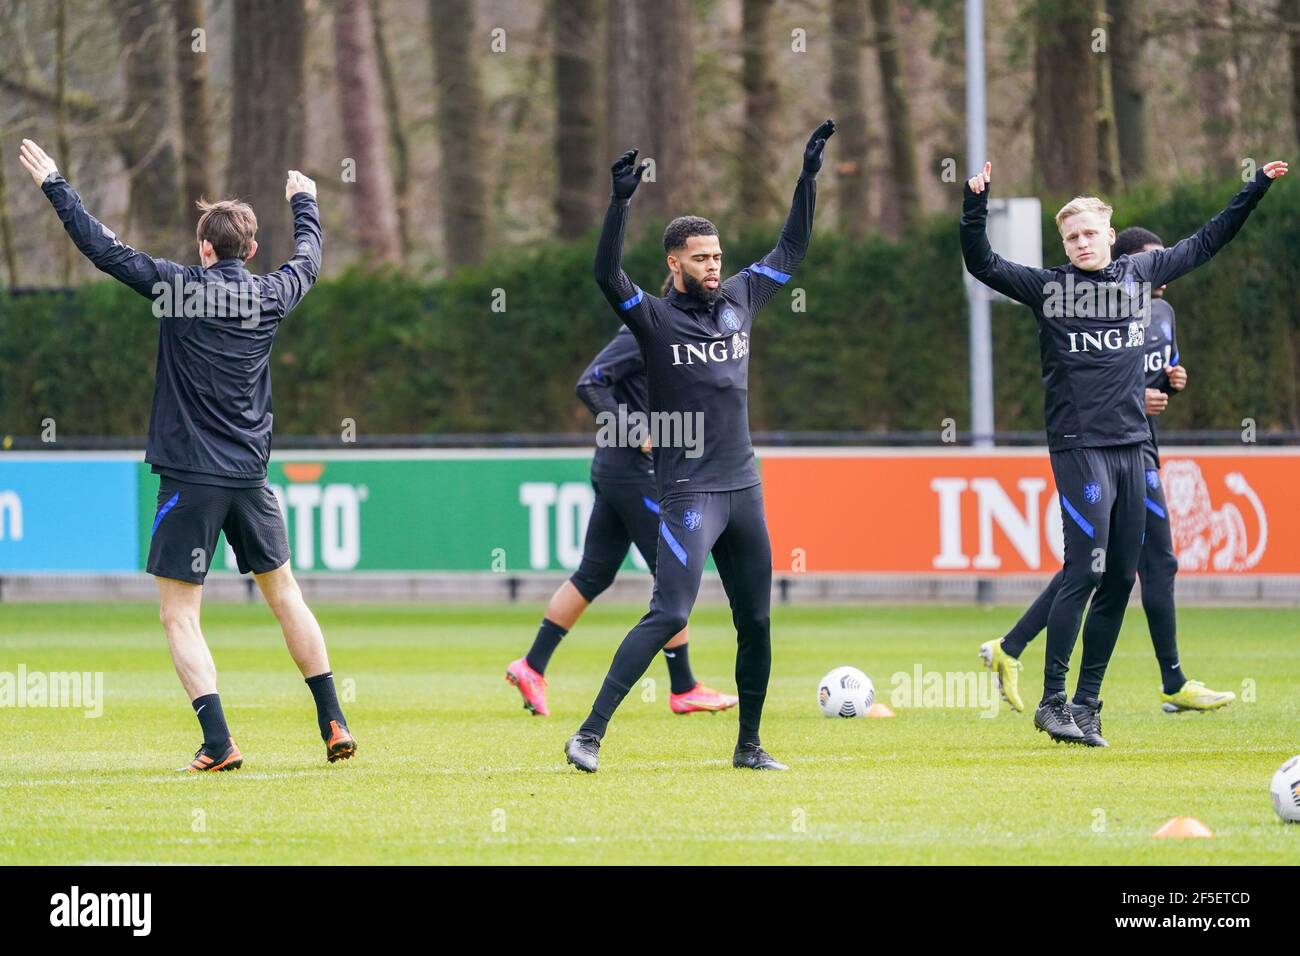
(190, 517)
(623, 514)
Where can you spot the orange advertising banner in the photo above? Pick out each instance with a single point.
(990, 513)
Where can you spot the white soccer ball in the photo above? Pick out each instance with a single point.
(1285, 790)
(846, 692)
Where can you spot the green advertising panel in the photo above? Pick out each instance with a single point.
(423, 512)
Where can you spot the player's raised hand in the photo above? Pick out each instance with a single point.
(627, 174)
(1177, 377)
(1276, 169)
(1156, 401)
(812, 153)
(298, 183)
(978, 182)
(36, 162)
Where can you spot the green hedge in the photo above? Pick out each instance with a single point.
(882, 343)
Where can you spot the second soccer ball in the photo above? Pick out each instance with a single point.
(1285, 790)
(846, 692)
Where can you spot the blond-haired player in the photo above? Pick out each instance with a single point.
(1092, 315)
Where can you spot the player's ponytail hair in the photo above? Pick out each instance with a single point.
(668, 285)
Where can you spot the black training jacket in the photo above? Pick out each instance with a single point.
(616, 377)
(211, 417)
(1161, 352)
(1092, 325)
(697, 356)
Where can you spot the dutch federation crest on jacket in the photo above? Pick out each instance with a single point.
(729, 319)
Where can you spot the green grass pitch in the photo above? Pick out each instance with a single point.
(452, 770)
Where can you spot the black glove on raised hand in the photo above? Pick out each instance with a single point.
(627, 174)
(812, 154)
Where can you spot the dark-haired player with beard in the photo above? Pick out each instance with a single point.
(625, 512)
(696, 344)
(1165, 377)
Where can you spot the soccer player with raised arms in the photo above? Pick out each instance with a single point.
(210, 433)
(1092, 316)
(696, 344)
(1165, 377)
(1158, 565)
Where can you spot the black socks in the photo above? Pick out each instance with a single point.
(327, 702)
(679, 668)
(547, 640)
(216, 735)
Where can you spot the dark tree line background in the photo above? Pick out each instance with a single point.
(453, 134)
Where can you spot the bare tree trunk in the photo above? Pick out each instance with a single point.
(1065, 97)
(396, 130)
(848, 23)
(649, 79)
(950, 123)
(1108, 168)
(575, 53)
(6, 227)
(269, 103)
(1214, 78)
(898, 114)
(61, 115)
(459, 91)
(671, 78)
(146, 139)
(626, 64)
(1128, 75)
(760, 97)
(196, 104)
(1291, 20)
(365, 137)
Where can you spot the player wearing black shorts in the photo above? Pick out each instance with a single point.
(696, 345)
(210, 434)
(1165, 377)
(1092, 316)
(625, 512)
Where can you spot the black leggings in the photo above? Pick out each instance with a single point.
(1157, 567)
(1101, 493)
(624, 513)
(731, 525)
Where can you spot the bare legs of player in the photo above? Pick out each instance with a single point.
(179, 610)
(302, 635)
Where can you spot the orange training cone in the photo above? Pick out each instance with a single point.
(1182, 827)
(879, 710)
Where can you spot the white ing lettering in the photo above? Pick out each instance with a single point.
(712, 351)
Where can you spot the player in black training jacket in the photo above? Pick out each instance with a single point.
(696, 343)
(210, 433)
(625, 512)
(1165, 377)
(1092, 316)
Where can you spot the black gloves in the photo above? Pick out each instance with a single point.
(627, 175)
(812, 154)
